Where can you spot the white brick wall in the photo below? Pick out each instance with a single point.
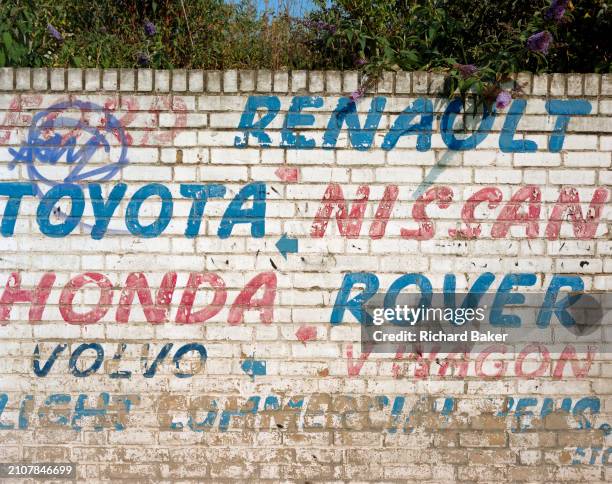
(180, 128)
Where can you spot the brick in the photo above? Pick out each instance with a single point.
(92, 79)
(213, 81)
(333, 81)
(247, 81)
(264, 81)
(574, 84)
(75, 79)
(350, 81)
(483, 439)
(179, 80)
(57, 79)
(402, 82)
(385, 83)
(40, 79)
(109, 79)
(7, 75)
(557, 84)
(420, 84)
(299, 80)
(162, 81)
(524, 81)
(436, 84)
(145, 79)
(127, 81)
(22, 79)
(540, 84)
(281, 81)
(316, 81)
(606, 85)
(196, 80)
(230, 81)
(591, 84)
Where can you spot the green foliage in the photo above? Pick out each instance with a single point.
(210, 34)
(445, 34)
(370, 35)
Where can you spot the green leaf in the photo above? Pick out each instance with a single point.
(7, 39)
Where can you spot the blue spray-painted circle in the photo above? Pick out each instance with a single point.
(45, 146)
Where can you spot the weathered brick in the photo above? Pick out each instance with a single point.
(281, 394)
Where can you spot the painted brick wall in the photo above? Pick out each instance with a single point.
(152, 329)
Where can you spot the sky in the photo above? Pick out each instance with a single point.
(297, 8)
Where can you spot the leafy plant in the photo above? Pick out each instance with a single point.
(477, 44)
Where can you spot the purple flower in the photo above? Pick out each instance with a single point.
(309, 24)
(318, 25)
(54, 33)
(466, 70)
(361, 61)
(503, 100)
(540, 42)
(149, 28)
(143, 59)
(556, 11)
(326, 26)
(356, 95)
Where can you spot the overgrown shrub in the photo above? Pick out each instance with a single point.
(477, 42)
(210, 34)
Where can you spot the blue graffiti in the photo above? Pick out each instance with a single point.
(287, 245)
(253, 367)
(95, 366)
(250, 127)
(362, 138)
(182, 351)
(253, 194)
(45, 146)
(346, 112)
(149, 365)
(564, 110)
(447, 129)
(154, 229)
(206, 412)
(295, 118)
(525, 409)
(367, 285)
(47, 204)
(507, 143)
(402, 126)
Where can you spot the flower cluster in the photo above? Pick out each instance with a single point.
(356, 95)
(503, 100)
(540, 42)
(466, 70)
(143, 59)
(318, 25)
(53, 32)
(149, 28)
(556, 11)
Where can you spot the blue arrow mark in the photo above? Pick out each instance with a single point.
(285, 245)
(253, 367)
